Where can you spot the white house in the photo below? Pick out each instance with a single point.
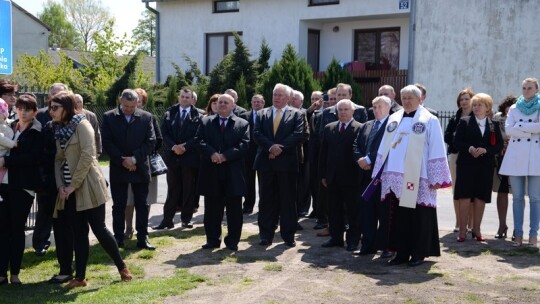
(30, 35)
(446, 45)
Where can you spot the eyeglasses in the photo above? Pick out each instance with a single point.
(53, 108)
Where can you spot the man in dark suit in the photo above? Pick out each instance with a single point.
(365, 153)
(388, 91)
(223, 140)
(423, 99)
(278, 132)
(257, 103)
(128, 138)
(340, 177)
(180, 123)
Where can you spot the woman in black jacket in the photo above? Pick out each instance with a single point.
(464, 109)
(18, 187)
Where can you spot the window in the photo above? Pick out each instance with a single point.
(314, 47)
(217, 46)
(226, 6)
(378, 48)
(322, 2)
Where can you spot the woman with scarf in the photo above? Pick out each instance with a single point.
(521, 162)
(478, 139)
(82, 189)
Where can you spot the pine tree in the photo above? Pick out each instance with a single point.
(335, 74)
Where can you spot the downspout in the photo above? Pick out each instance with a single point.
(412, 31)
(158, 61)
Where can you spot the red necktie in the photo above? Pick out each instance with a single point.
(223, 123)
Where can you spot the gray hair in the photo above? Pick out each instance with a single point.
(411, 89)
(299, 94)
(380, 99)
(288, 89)
(129, 95)
(345, 101)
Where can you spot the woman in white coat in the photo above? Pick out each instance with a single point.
(521, 162)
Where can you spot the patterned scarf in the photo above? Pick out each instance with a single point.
(64, 132)
(528, 107)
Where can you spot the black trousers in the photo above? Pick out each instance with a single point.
(277, 203)
(14, 209)
(80, 220)
(385, 214)
(181, 185)
(303, 199)
(322, 204)
(213, 215)
(44, 221)
(119, 196)
(314, 184)
(64, 236)
(343, 208)
(251, 175)
(369, 217)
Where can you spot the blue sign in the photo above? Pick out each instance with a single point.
(6, 66)
(403, 4)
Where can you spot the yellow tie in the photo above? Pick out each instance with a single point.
(277, 120)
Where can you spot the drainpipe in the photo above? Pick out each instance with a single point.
(412, 31)
(158, 61)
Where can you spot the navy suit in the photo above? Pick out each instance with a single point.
(278, 176)
(222, 185)
(372, 210)
(134, 138)
(337, 166)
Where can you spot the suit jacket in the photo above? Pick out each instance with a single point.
(468, 134)
(336, 162)
(314, 137)
(92, 118)
(290, 134)
(303, 150)
(233, 143)
(175, 132)
(136, 138)
(360, 147)
(239, 111)
(46, 168)
(252, 150)
(330, 115)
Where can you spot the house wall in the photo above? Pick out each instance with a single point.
(184, 24)
(29, 36)
(488, 45)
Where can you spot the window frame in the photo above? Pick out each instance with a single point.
(378, 32)
(215, 6)
(315, 3)
(225, 36)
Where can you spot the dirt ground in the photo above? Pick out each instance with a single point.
(471, 272)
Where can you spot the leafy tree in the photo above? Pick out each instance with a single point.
(240, 66)
(89, 17)
(292, 71)
(217, 76)
(127, 80)
(335, 74)
(172, 92)
(63, 34)
(264, 56)
(145, 33)
(241, 90)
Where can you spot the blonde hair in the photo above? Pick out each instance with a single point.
(483, 98)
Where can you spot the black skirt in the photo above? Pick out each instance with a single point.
(474, 181)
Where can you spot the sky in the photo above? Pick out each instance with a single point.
(126, 12)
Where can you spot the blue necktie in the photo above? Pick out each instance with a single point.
(372, 134)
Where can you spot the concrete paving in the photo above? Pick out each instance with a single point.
(445, 212)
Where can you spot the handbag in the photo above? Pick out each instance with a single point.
(157, 165)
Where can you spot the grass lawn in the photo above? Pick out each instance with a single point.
(103, 278)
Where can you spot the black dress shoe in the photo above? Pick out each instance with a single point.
(163, 226)
(209, 246)
(41, 252)
(265, 242)
(415, 262)
(290, 243)
(299, 227)
(144, 244)
(397, 261)
(232, 247)
(386, 254)
(332, 243)
(312, 215)
(320, 226)
(247, 211)
(187, 225)
(351, 247)
(364, 252)
(60, 279)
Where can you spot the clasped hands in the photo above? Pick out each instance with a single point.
(127, 163)
(362, 162)
(179, 149)
(65, 191)
(476, 152)
(218, 158)
(275, 150)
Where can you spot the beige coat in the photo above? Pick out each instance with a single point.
(86, 176)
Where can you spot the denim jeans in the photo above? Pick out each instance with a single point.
(518, 193)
